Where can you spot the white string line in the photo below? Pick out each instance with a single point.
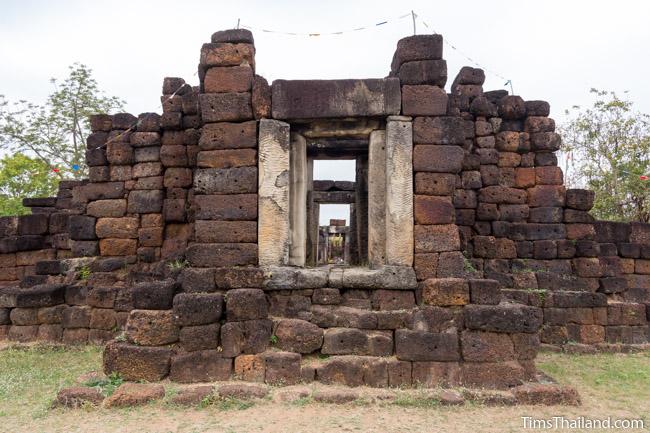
(412, 14)
(508, 81)
(316, 34)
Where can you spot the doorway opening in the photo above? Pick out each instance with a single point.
(337, 203)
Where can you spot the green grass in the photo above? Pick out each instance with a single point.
(230, 403)
(619, 379)
(415, 401)
(106, 386)
(31, 377)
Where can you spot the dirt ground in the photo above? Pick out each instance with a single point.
(617, 386)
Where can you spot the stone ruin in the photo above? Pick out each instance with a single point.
(192, 249)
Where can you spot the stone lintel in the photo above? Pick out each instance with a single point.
(312, 99)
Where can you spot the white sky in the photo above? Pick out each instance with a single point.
(553, 50)
(334, 169)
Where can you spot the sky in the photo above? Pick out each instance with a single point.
(551, 50)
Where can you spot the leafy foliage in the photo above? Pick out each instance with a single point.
(56, 131)
(22, 176)
(107, 385)
(608, 151)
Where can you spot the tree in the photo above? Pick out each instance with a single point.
(607, 149)
(22, 176)
(56, 132)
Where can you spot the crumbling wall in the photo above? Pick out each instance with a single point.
(29, 242)
(164, 245)
(521, 227)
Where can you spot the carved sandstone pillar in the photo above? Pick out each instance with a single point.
(273, 182)
(399, 191)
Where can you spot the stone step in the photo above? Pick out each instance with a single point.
(41, 295)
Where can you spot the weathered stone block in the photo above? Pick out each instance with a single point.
(392, 300)
(537, 108)
(227, 158)
(545, 141)
(261, 98)
(485, 292)
(250, 368)
(238, 278)
(225, 231)
(144, 139)
(436, 238)
(424, 100)
(177, 177)
(426, 346)
(417, 47)
(481, 346)
(197, 308)
(282, 368)
(152, 327)
(107, 208)
(118, 247)
(424, 72)
(445, 291)
(502, 194)
(435, 183)
(227, 54)
(246, 304)
(126, 227)
(295, 335)
(156, 295)
(142, 201)
(228, 79)
(200, 366)
(225, 107)
(204, 337)
(347, 341)
(549, 175)
(226, 207)
(228, 136)
(173, 155)
(226, 181)
(103, 318)
(96, 157)
(546, 196)
(425, 265)
(503, 318)
(81, 227)
(250, 336)
(587, 334)
(222, 255)
(438, 130)
(437, 158)
(135, 362)
(512, 107)
(500, 375)
(174, 210)
(326, 296)
(587, 267)
(433, 210)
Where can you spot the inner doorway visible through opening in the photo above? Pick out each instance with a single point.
(333, 218)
